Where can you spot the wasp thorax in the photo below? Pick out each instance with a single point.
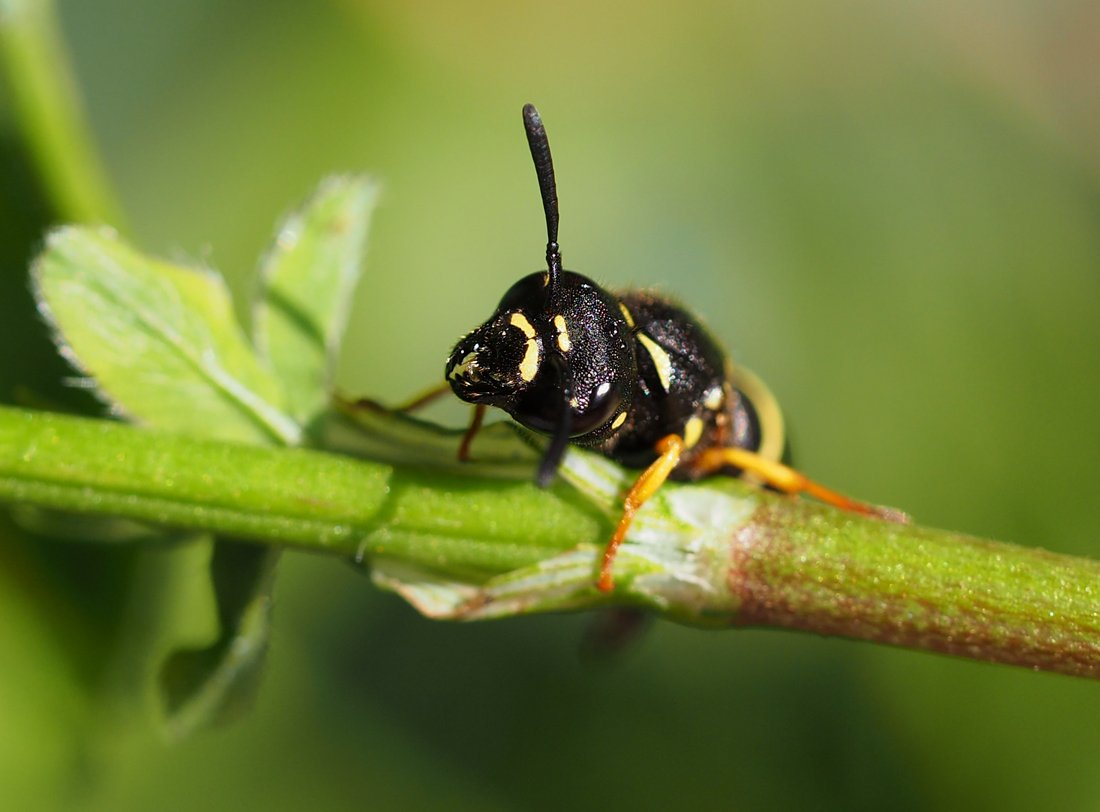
(497, 361)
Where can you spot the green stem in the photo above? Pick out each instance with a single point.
(106, 468)
(48, 112)
(298, 497)
(773, 561)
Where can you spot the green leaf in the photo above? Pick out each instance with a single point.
(308, 279)
(217, 683)
(160, 340)
(165, 348)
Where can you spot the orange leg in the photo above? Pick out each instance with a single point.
(647, 484)
(788, 480)
(471, 432)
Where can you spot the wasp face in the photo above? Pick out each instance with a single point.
(496, 363)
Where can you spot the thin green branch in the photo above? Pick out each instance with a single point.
(718, 553)
(323, 502)
(48, 111)
(108, 468)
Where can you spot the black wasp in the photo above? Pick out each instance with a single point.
(631, 374)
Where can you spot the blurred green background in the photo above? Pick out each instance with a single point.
(890, 210)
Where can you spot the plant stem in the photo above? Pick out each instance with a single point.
(308, 499)
(48, 111)
(107, 468)
(773, 562)
(919, 588)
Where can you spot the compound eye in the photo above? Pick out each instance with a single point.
(528, 294)
(600, 407)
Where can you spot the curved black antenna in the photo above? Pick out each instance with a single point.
(544, 168)
(554, 452)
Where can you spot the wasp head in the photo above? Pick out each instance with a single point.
(496, 362)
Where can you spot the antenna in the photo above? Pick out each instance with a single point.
(551, 458)
(544, 168)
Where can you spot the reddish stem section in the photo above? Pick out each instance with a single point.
(918, 588)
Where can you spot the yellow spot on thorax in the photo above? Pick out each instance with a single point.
(660, 360)
(693, 430)
(618, 421)
(713, 399)
(627, 316)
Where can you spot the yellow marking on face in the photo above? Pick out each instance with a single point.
(618, 421)
(564, 344)
(713, 398)
(519, 320)
(463, 366)
(627, 316)
(529, 366)
(660, 360)
(693, 430)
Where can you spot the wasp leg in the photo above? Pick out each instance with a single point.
(647, 484)
(424, 398)
(433, 394)
(370, 405)
(471, 432)
(788, 480)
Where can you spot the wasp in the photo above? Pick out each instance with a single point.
(631, 374)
